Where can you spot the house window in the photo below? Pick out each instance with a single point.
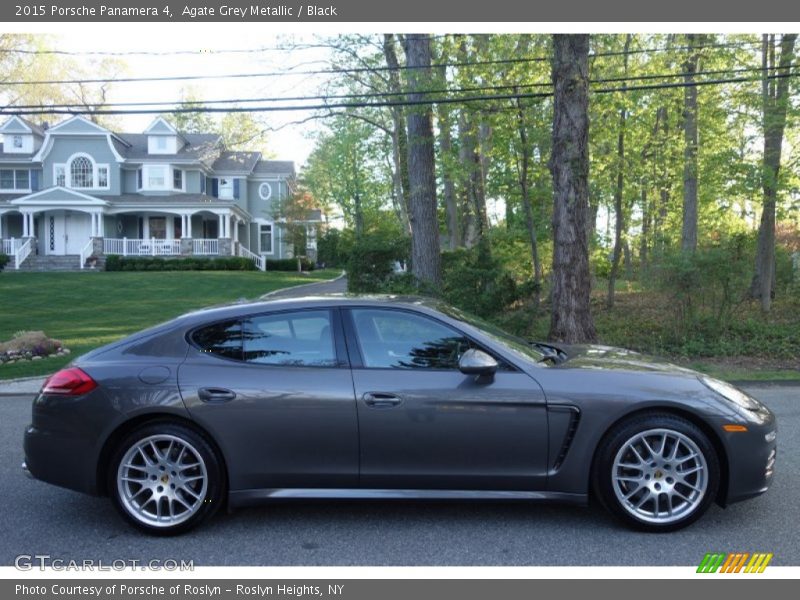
(161, 143)
(265, 191)
(81, 173)
(17, 141)
(225, 188)
(139, 179)
(158, 228)
(157, 177)
(177, 179)
(60, 175)
(15, 179)
(265, 238)
(102, 177)
(7, 179)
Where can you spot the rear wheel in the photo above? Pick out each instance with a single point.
(657, 472)
(165, 479)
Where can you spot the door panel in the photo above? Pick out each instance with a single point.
(424, 424)
(449, 431)
(278, 426)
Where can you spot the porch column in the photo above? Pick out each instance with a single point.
(1, 226)
(93, 232)
(236, 230)
(188, 225)
(26, 228)
(222, 226)
(101, 225)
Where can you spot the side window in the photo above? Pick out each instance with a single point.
(302, 339)
(402, 340)
(222, 339)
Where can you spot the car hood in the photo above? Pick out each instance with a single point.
(593, 356)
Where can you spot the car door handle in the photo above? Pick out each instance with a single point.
(381, 400)
(216, 394)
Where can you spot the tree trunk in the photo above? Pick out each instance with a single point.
(619, 190)
(571, 318)
(425, 251)
(524, 165)
(454, 239)
(645, 239)
(775, 100)
(399, 134)
(689, 230)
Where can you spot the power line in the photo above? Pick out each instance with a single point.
(389, 103)
(510, 86)
(335, 71)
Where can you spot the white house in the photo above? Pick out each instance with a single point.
(77, 192)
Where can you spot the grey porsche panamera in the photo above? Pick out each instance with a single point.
(386, 397)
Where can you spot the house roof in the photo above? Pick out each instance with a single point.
(236, 162)
(170, 200)
(12, 155)
(200, 146)
(274, 167)
(35, 129)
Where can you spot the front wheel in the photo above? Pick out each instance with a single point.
(657, 472)
(165, 479)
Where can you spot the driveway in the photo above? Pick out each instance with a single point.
(41, 519)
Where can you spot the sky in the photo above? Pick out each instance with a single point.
(291, 142)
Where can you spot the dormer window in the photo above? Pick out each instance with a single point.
(17, 141)
(161, 143)
(81, 172)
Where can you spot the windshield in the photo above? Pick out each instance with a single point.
(516, 344)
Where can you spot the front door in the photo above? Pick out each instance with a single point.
(425, 425)
(66, 232)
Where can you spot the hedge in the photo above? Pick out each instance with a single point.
(228, 263)
(289, 264)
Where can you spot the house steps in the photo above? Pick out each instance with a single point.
(69, 262)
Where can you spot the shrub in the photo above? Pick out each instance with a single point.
(333, 248)
(27, 344)
(3, 260)
(224, 263)
(372, 260)
(289, 264)
(477, 282)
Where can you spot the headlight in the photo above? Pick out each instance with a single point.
(729, 392)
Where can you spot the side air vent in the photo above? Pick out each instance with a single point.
(569, 434)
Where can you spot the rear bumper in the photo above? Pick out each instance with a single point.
(60, 458)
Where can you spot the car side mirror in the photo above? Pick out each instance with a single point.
(477, 362)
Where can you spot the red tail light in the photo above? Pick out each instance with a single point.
(69, 382)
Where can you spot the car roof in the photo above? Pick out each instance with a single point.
(316, 301)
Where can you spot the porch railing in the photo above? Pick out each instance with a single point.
(205, 247)
(141, 247)
(23, 252)
(259, 261)
(8, 247)
(86, 252)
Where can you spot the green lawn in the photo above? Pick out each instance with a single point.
(86, 310)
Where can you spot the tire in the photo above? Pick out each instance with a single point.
(656, 472)
(165, 479)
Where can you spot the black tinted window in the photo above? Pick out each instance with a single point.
(222, 339)
(402, 340)
(301, 338)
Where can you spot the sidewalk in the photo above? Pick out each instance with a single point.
(27, 386)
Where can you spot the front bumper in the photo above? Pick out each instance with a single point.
(751, 458)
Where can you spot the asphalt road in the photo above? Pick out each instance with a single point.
(37, 518)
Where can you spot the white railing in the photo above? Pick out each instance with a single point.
(205, 247)
(23, 252)
(86, 252)
(257, 260)
(141, 247)
(8, 247)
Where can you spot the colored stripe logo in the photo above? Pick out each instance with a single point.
(734, 562)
